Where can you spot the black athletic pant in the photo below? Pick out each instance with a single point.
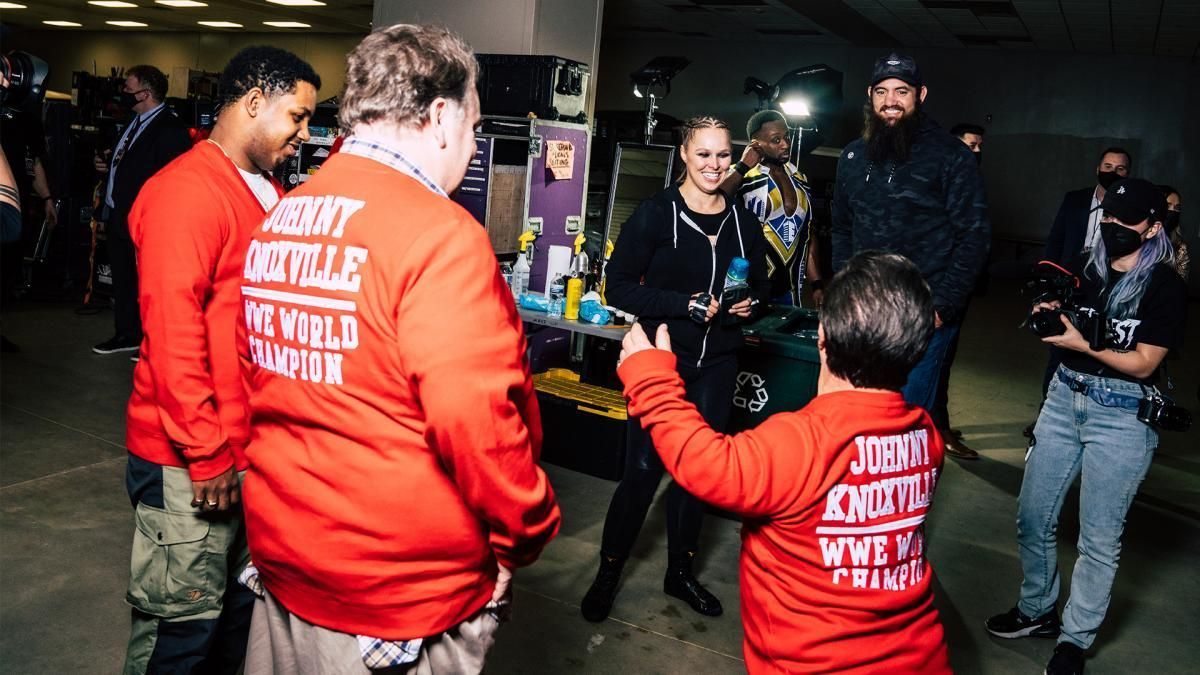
(127, 317)
(711, 390)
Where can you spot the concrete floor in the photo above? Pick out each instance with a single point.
(65, 527)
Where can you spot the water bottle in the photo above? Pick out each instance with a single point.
(506, 274)
(736, 289)
(555, 295)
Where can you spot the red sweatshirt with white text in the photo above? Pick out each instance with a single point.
(395, 426)
(191, 224)
(833, 570)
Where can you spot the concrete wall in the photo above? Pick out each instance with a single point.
(1050, 113)
(67, 52)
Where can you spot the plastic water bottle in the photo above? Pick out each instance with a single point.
(736, 289)
(739, 269)
(556, 296)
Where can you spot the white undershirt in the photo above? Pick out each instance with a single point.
(261, 187)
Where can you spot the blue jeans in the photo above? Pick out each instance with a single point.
(921, 389)
(1088, 425)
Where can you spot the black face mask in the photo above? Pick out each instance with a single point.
(1119, 241)
(126, 99)
(1106, 178)
(1171, 221)
(978, 157)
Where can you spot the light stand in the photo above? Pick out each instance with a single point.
(657, 73)
(651, 107)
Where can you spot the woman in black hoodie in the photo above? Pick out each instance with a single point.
(675, 249)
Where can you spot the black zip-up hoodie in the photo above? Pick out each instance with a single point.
(662, 258)
(931, 209)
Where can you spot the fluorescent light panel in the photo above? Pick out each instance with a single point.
(220, 24)
(112, 4)
(286, 24)
(63, 24)
(181, 3)
(127, 24)
(297, 3)
(11, 5)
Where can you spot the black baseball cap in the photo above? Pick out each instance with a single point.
(898, 66)
(1132, 200)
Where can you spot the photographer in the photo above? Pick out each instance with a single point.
(1090, 423)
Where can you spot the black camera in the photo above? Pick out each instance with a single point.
(1092, 324)
(1055, 284)
(1161, 412)
(26, 77)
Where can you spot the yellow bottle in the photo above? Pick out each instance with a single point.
(574, 294)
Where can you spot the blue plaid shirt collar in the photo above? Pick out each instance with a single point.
(391, 157)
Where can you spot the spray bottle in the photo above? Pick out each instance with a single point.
(520, 274)
(608, 251)
(579, 268)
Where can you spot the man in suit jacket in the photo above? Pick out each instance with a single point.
(1074, 229)
(153, 138)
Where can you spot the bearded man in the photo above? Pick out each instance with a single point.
(909, 187)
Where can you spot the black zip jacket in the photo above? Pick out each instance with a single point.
(661, 259)
(931, 209)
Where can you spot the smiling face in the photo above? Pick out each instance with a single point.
(281, 124)
(706, 156)
(893, 99)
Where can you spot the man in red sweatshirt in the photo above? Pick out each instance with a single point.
(188, 421)
(833, 572)
(393, 483)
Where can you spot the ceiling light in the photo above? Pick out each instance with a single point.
(220, 24)
(286, 24)
(127, 24)
(297, 3)
(64, 24)
(181, 3)
(112, 4)
(11, 5)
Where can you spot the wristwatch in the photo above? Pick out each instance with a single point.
(742, 168)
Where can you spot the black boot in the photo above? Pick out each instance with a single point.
(680, 583)
(598, 600)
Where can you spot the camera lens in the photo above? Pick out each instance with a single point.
(1046, 323)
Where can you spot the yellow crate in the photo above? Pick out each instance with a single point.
(590, 398)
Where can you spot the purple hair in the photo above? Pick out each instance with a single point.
(1125, 297)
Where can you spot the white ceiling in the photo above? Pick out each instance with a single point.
(1160, 27)
(337, 16)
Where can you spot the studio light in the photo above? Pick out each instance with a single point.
(809, 97)
(795, 107)
(657, 73)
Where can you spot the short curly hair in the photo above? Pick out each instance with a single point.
(274, 71)
(395, 73)
(758, 119)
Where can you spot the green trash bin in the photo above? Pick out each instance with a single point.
(777, 367)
